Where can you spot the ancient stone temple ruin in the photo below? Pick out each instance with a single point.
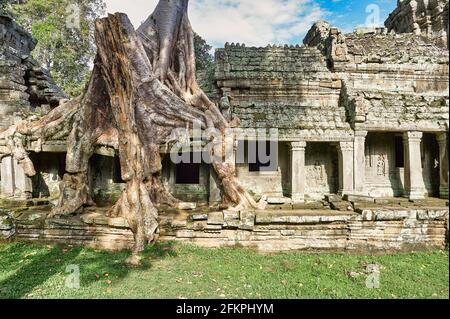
(361, 144)
(25, 89)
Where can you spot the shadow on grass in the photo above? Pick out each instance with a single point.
(32, 265)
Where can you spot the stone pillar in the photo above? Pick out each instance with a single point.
(7, 177)
(442, 139)
(359, 162)
(414, 184)
(298, 172)
(345, 151)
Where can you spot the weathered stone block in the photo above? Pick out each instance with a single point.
(230, 215)
(210, 228)
(215, 218)
(247, 220)
(179, 223)
(197, 217)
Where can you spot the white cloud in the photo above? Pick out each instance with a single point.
(253, 22)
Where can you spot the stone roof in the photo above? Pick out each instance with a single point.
(271, 62)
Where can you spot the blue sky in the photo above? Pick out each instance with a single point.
(348, 14)
(262, 22)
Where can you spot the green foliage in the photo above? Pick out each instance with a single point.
(176, 271)
(203, 58)
(204, 61)
(64, 31)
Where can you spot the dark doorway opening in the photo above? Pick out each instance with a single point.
(188, 173)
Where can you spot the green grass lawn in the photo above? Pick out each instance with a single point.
(183, 271)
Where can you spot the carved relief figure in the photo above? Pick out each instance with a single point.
(381, 165)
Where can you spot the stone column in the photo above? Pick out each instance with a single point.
(345, 151)
(298, 172)
(7, 177)
(414, 184)
(359, 162)
(442, 139)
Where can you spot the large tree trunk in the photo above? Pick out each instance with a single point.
(143, 86)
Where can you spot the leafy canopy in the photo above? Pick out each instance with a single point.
(64, 31)
(203, 58)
